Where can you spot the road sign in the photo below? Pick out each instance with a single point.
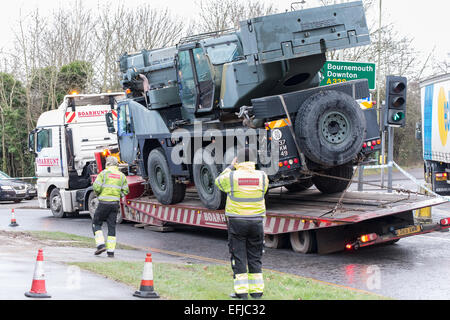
(342, 71)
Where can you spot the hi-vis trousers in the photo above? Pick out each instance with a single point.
(105, 212)
(246, 245)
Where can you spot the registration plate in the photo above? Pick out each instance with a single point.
(408, 230)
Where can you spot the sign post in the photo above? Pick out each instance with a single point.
(342, 71)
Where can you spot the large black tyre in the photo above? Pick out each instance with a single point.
(56, 205)
(303, 241)
(205, 171)
(163, 184)
(330, 127)
(92, 204)
(329, 185)
(301, 185)
(275, 241)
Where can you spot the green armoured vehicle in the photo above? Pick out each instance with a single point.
(191, 108)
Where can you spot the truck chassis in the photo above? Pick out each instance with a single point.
(313, 222)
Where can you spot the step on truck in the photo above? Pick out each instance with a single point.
(191, 108)
(64, 143)
(435, 126)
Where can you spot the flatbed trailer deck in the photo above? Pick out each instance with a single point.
(310, 220)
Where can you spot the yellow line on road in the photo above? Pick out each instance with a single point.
(206, 259)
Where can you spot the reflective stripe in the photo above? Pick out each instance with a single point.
(219, 183)
(241, 283)
(111, 244)
(112, 186)
(99, 239)
(232, 197)
(250, 282)
(255, 282)
(106, 198)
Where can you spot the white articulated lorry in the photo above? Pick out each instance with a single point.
(435, 93)
(64, 142)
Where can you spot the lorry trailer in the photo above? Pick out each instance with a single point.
(309, 221)
(435, 125)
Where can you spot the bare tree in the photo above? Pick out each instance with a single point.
(28, 50)
(217, 15)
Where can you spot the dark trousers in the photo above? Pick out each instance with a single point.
(246, 244)
(106, 212)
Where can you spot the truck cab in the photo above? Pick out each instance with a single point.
(64, 142)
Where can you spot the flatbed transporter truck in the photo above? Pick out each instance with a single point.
(64, 143)
(264, 75)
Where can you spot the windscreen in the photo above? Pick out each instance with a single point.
(95, 100)
(223, 53)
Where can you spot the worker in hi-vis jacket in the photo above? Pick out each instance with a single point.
(245, 210)
(110, 186)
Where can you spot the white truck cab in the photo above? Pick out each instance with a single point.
(64, 143)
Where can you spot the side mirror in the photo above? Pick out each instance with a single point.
(31, 141)
(419, 131)
(110, 122)
(72, 104)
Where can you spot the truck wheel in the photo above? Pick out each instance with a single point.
(92, 204)
(301, 185)
(303, 241)
(205, 171)
(163, 184)
(56, 205)
(330, 127)
(119, 218)
(329, 185)
(275, 241)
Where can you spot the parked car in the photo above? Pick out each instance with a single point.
(15, 189)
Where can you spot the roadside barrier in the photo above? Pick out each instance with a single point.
(13, 219)
(38, 284)
(146, 289)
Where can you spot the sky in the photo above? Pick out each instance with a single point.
(426, 22)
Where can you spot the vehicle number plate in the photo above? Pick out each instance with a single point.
(408, 230)
(20, 191)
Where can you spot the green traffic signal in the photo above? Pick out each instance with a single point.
(398, 116)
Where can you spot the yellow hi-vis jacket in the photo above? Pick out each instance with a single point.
(245, 188)
(110, 185)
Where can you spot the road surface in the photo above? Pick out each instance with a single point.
(413, 268)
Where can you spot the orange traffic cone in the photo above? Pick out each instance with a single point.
(146, 289)
(38, 285)
(13, 219)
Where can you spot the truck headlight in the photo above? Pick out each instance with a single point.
(6, 188)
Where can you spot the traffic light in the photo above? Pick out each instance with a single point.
(395, 112)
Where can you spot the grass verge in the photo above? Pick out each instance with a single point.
(214, 282)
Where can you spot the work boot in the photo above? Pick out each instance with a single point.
(100, 249)
(256, 295)
(243, 296)
(110, 254)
